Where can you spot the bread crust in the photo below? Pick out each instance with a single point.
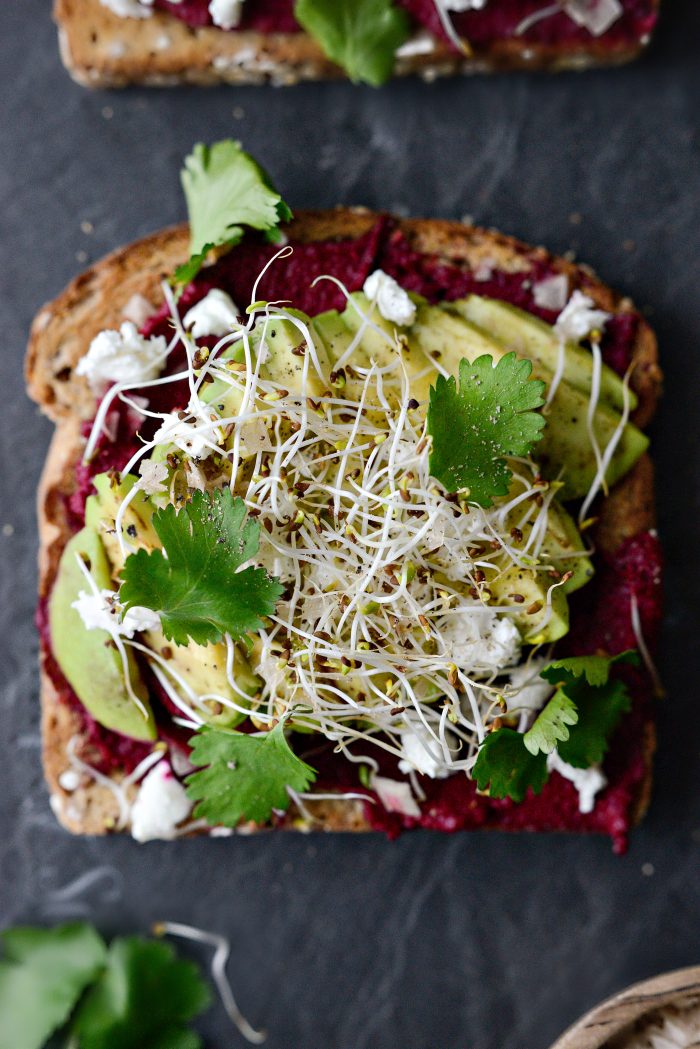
(96, 299)
(101, 49)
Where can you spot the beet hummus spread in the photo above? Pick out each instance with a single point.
(601, 614)
(498, 20)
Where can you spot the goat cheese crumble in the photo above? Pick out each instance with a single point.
(215, 314)
(101, 611)
(580, 318)
(160, 806)
(588, 782)
(392, 301)
(226, 13)
(123, 356)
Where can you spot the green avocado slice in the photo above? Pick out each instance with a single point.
(530, 337)
(92, 667)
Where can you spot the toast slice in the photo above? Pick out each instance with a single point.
(104, 295)
(102, 49)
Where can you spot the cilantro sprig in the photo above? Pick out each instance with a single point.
(578, 721)
(196, 583)
(226, 190)
(362, 36)
(136, 992)
(244, 777)
(477, 424)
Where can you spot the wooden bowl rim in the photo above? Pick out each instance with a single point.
(611, 1017)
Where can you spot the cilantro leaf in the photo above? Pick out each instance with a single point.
(245, 777)
(594, 669)
(197, 588)
(42, 976)
(550, 725)
(491, 415)
(362, 36)
(599, 711)
(506, 768)
(145, 996)
(225, 190)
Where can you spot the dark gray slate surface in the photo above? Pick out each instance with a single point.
(474, 942)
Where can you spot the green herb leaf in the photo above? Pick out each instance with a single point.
(146, 996)
(550, 725)
(197, 588)
(491, 415)
(226, 190)
(246, 777)
(362, 36)
(594, 669)
(42, 976)
(599, 712)
(506, 768)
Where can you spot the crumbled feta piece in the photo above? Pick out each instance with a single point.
(138, 309)
(597, 16)
(395, 795)
(69, 780)
(160, 806)
(122, 356)
(128, 8)
(552, 293)
(588, 782)
(103, 612)
(138, 619)
(480, 639)
(153, 476)
(392, 301)
(194, 435)
(532, 690)
(579, 318)
(421, 753)
(420, 44)
(463, 5)
(226, 13)
(215, 314)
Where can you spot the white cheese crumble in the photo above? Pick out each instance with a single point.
(215, 314)
(138, 309)
(478, 637)
(153, 477)
(395, 795)
(552, 292)
(193, 435)
(127, 8)
(69, 780)
(532, 690)
(579, 318)
(102, 611)
(122, 356)
(588, 782)
(422, 753)
(392, 301)
(597, 16)
(160, 806)
(226, 13)
(463, 5)
(420, 44)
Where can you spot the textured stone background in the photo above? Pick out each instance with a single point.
(474, 942)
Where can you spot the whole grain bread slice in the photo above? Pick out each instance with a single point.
(101, 49)
(104, 295)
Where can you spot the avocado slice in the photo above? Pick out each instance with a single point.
(203, 669)
(532, 338)
(101, 511)
(532, 588)
(92, 667)
(565, 446)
